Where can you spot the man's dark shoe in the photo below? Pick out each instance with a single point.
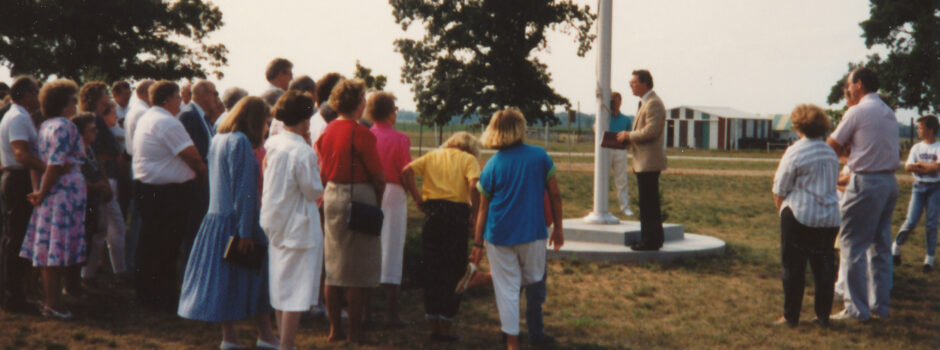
(928, 268)
(897, 260)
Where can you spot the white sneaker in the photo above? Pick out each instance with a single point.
(844, 316)
(261, 344)
(628, 212)
(342, 314)
(231, 346)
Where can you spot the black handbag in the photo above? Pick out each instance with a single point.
(363, 217)
(253, 259)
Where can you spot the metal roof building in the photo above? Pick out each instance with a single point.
(723, 128)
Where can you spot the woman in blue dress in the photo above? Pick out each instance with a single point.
(220, 291)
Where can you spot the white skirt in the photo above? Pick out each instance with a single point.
(294, 275)
(395, 208)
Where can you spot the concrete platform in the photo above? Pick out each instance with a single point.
(626, 233)
(593, 242)
(691, 246)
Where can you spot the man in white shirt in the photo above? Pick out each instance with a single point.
(139, 107)
(166, 166)
(279, 73)
(18, 155)
(869, 129)
(325, 114)
(121, 93)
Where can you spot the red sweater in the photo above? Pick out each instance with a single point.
(334, 149)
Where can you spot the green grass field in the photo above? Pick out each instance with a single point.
(725, 302)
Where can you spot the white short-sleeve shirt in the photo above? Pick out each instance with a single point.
(16, 126)
(135, 110)
(870, 128)
(158, 139)
(925, 153)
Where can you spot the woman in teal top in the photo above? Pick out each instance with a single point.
(512, 214)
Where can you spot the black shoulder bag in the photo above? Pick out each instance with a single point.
(363, 217)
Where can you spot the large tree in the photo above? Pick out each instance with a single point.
(910, 73)
(376, 82)
(111, 39)
(476, 56)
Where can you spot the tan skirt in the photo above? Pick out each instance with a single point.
(353, 259)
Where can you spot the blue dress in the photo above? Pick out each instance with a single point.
(215, 290)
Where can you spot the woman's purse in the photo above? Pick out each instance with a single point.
(363, 217)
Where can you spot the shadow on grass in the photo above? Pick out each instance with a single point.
(736, 257)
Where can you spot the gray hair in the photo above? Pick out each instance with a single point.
(302, 83)
(200, 86)
(143, 88)
(271, 96)
(231, 96)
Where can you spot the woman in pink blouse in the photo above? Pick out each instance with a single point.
(394, 150)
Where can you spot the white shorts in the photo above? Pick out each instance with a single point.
(512, 267)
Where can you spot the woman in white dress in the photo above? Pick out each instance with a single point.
(289, 215)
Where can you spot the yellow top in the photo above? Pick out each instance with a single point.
(446, 173)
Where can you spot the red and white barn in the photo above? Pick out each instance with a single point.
(720, 128)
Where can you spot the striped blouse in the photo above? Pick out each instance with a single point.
(806, 179)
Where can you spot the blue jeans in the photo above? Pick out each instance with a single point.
(534, 298)
(925, 197)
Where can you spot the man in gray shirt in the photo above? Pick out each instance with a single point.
(869, 129)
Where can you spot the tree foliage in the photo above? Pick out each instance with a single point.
(111, 39)
(476, 55)
(910, 73)
(375, 82)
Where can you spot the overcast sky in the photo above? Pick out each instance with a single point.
(756, 56)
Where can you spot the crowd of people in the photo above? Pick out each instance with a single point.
(226, 207)
(821, 208)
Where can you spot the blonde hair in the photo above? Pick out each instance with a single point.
(464, 141)
(506, 129)
(809, 120)
(248, 116)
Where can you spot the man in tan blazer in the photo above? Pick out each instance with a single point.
(648, 147)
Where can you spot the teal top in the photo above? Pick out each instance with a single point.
(621, 122)
(514, 181)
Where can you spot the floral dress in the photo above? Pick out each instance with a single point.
(56, 232)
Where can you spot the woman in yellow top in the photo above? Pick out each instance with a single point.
(449, 199)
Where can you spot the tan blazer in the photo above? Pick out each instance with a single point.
(647, 143)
